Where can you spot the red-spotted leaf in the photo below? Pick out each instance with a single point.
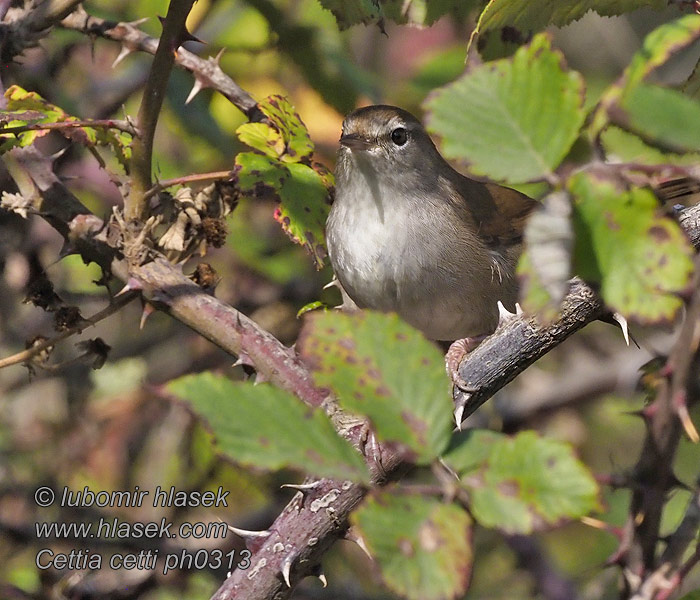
(380, 367)
(283, 117)
(303, 210)
(521, 484)
(638, 257)
(29, 108)
(301, 192)
(263, 426)
(423, 547)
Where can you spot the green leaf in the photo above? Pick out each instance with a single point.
(380, 367)
(258, 175)
(303, 210)
(423, 547)
(263, 426)
(694, 595)
(425, 12)
(658, 47)
(521, 484)
(301, 191)
(29, 108)
(262, 137)
(517, 118)
(25, 108)
(534, 15)
(661, 116)
(639, 257)
(627, 147)
(353, 12)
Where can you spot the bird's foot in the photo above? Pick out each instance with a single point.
(455, 354)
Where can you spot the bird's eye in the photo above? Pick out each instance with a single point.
(399, 136)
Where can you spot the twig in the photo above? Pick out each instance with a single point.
(654, 469)
(25, 29)
(153, 94)
(124, 126)
(166, 183)
(29, 353)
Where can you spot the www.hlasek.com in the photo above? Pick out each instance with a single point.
(115, 529)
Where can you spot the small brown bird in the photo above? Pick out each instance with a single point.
(408, 233)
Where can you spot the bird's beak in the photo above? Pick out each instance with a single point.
(354, 141)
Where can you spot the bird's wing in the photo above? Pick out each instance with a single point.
(512, 208)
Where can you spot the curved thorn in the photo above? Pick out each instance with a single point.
(196, 88)
(286, 570)
(332, 283)
(123, 53)
(623, 325)
(138, 22)
(518, 309)
(352, 535)
(323, 579)
(148, 310)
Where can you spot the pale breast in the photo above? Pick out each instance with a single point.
(410, 254)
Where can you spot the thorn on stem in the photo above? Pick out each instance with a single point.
(352, 535)
(148, 310)
(248, 534)
(196, 88)
(123, 53)
(623, 325)
(304, 488)
(287, 569)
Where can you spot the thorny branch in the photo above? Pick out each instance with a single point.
(151, 102)
(207, 72)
